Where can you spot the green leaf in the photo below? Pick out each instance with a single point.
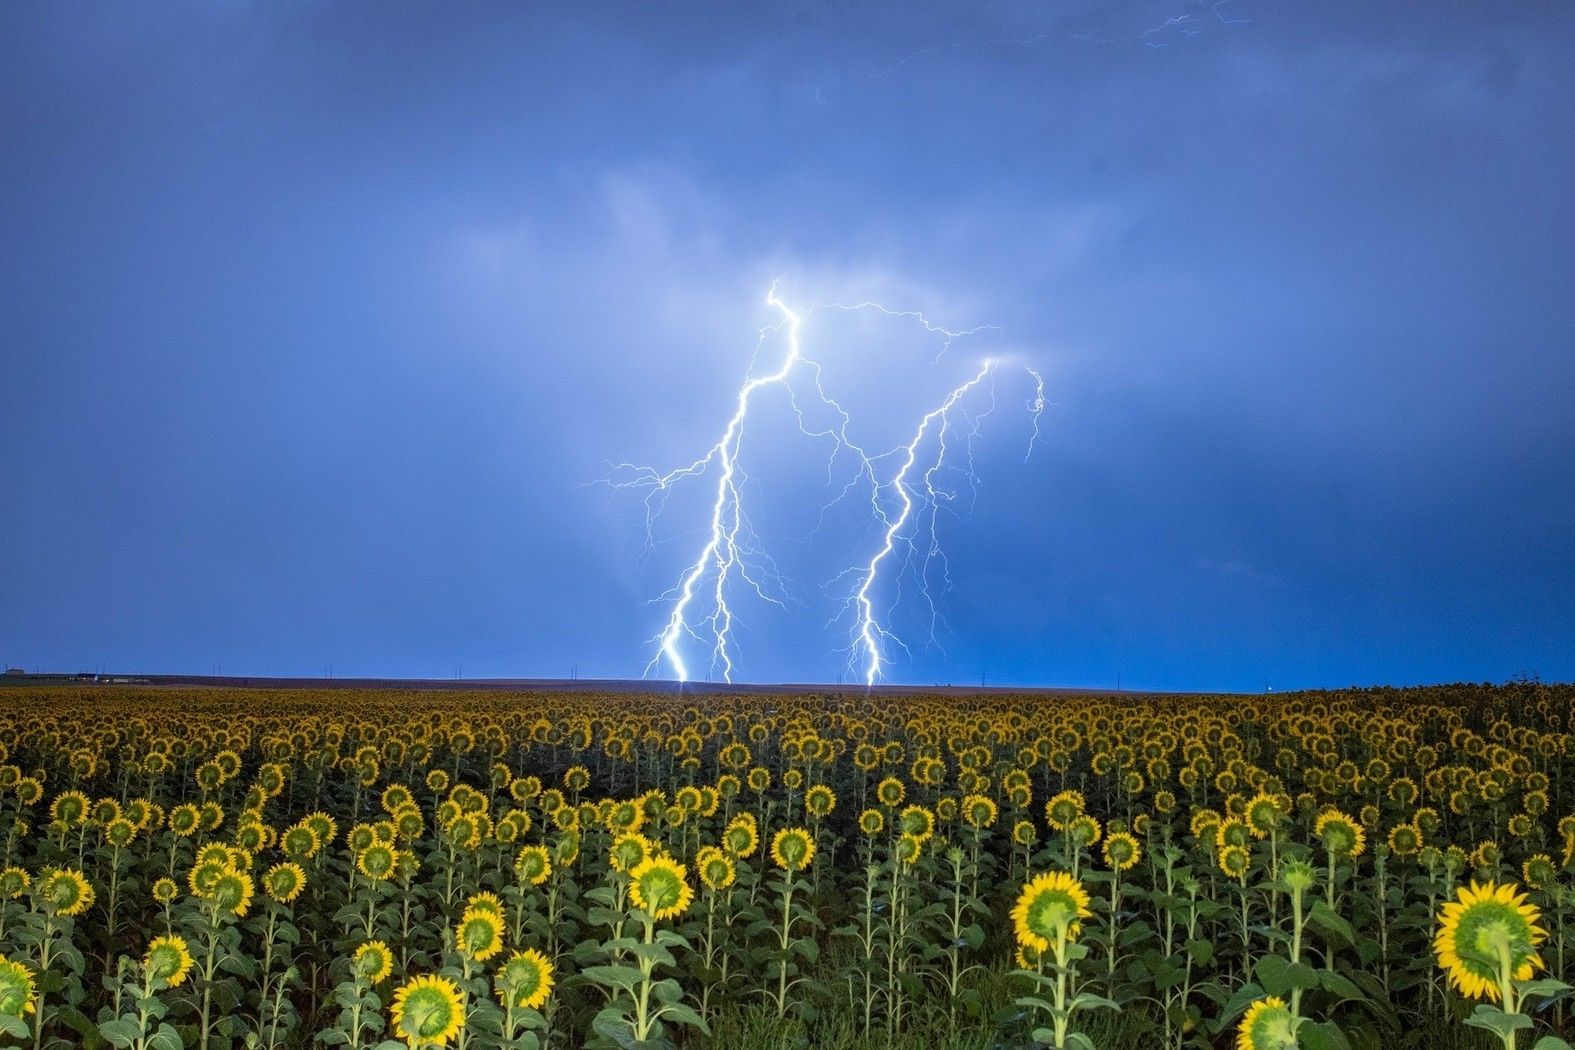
(624, 977)
(1321, 1036)
(120, 1031)
(1546, 989)
(1497, 1021)
(1331, 927)
(1340, 987)
(1551, 1042)
(685, 1014)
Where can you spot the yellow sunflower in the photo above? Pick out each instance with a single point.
(16, 988)
(1342, 836)
(978, 811)
(659, 886)
(1488, 934)
(232, 892)
(373, 961)
(284, 882)
(1263, 815)
(428, 1011)
(1268, 1025)
(168, 960)
(891, 792)
(479, 934)
(1050, 906)
(628, 851)
(65, 891)
(792, 849)
(533, 864)
(1122, 851)
(1064, 808)
(740, 837)
(525, 981)
(715, 868)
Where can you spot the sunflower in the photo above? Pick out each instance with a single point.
(1263, 815)
(70, 807)
(820, 800)
(1122, 850)
(1232, 832)
(1342, 836)
(1050, 907)
(908, 849)
(1487, 936)
(373, 961)
(1268, 1025)
(1233, 861)
(1024, 833)
(1538, 871)
(324, 826)
(533, 864)
(479, 934)
(16, 988)
(185, 820)
(872, 822)
(428, 1011)
(659, 887)
(1084, 830)
(891, 792)
(916, 821)
(299, 841)
(64, 891)
(1405, 840)
(978, 811)
(1204, 822)
(168, 960)
(14, 882)
(165, 890)
(284, 882)
(1064, 808)
(714, 867)
(628, 851)
(232, 892)
(792, 849)
(376, 861)
(525, 981)
(486, 900)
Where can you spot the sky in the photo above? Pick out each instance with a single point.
(324, 325)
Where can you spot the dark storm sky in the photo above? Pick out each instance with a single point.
(317, 319)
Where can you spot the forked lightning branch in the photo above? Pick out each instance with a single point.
(901, 488)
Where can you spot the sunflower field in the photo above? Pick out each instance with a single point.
(383, 869)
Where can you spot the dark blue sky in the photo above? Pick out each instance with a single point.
(318, 319)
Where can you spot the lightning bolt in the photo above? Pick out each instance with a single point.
(729, 545)
(701, 612)
(871, 633)
(1036, 408)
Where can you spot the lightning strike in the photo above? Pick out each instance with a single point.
(870, 630)
(702, 613)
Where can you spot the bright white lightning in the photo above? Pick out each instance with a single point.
(722, 552)
(870, 631)
(731, 552)
(1036, 408)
